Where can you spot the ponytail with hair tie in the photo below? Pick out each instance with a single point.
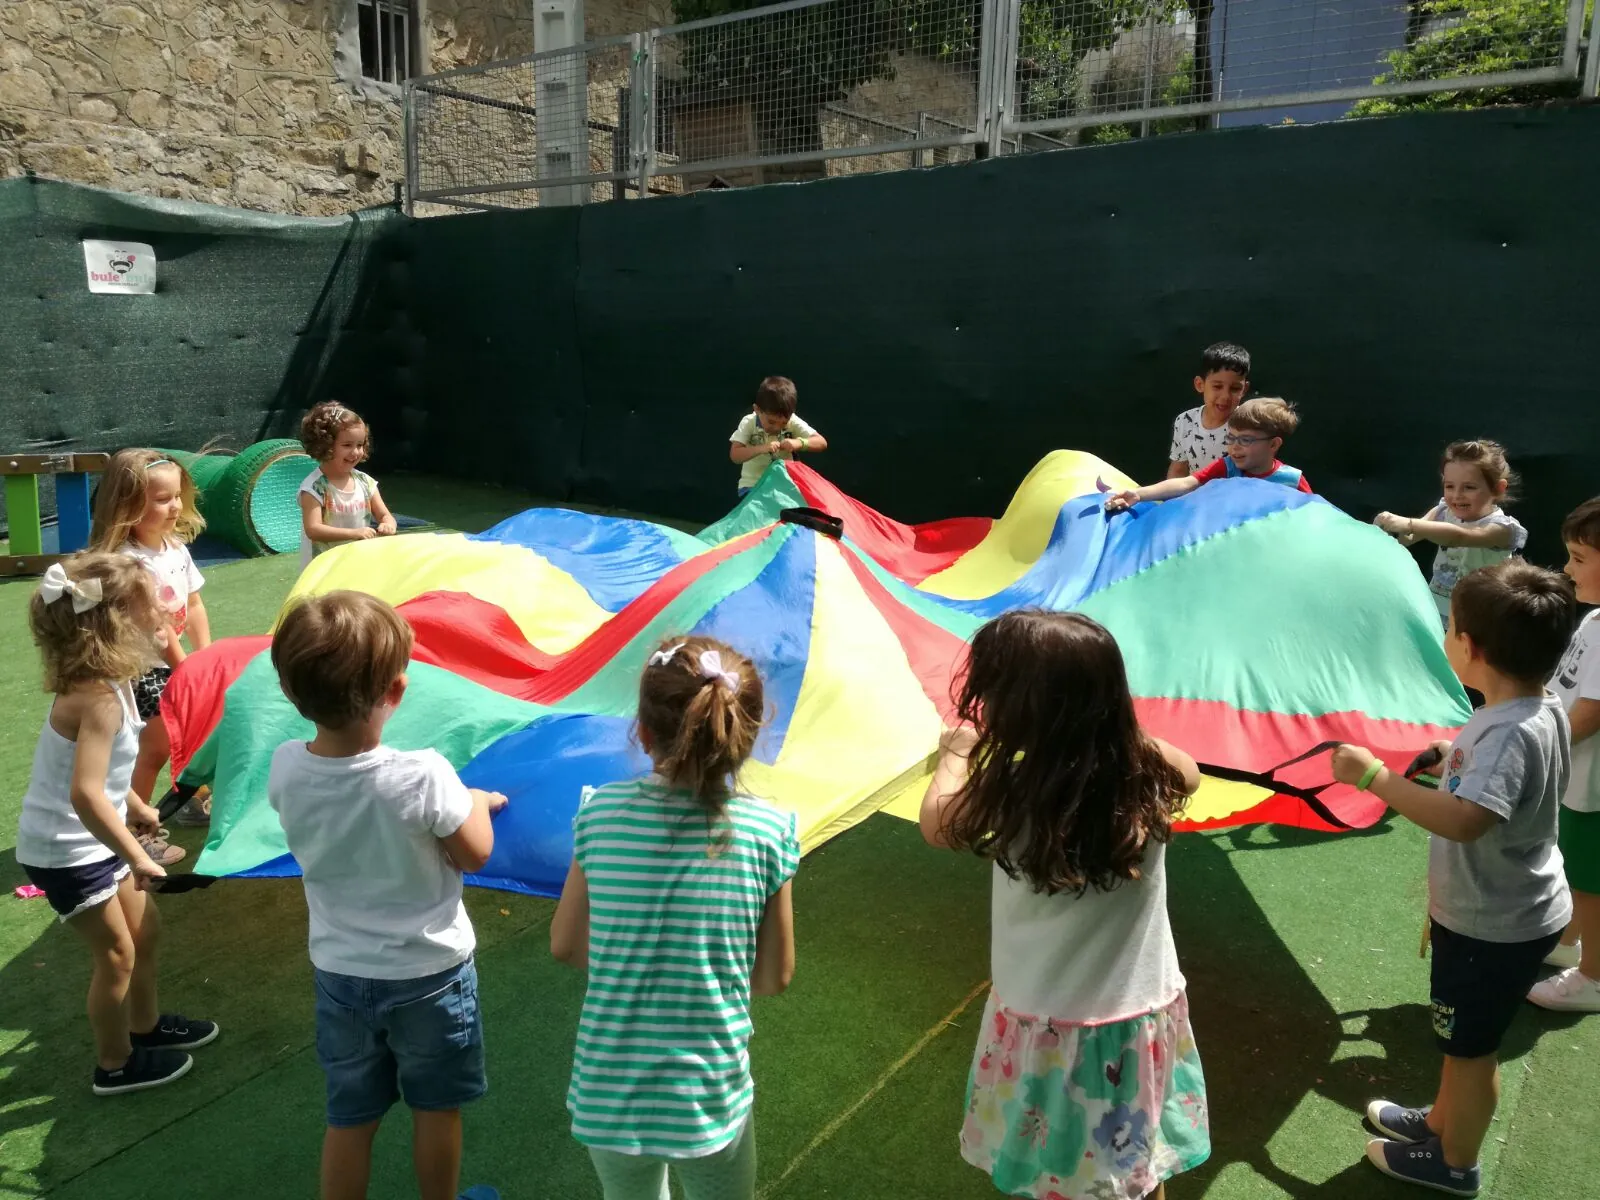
(700, 709)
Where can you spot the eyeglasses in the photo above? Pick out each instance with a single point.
(1239, 439)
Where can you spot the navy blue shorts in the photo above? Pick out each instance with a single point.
(74, 890)
(380, 1040)
(1478, 988)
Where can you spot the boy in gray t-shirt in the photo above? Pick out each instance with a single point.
(1497, 896)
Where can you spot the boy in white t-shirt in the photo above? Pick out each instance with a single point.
(382, 837)
(1577, 682)
(771, 431)
(1198, 434)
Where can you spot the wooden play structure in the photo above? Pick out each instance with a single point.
(21, 472)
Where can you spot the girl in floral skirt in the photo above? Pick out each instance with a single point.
(1086, 1084)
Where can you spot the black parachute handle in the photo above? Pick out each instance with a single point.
(814, 519)
(179, 795)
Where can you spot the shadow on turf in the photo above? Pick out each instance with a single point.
(885, 927)
(257, 989)
(1243, 978)
(889, 929)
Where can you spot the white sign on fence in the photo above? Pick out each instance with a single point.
(122, 267)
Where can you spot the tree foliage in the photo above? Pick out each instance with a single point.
(1476, 37)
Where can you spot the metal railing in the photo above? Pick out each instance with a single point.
(811, 88)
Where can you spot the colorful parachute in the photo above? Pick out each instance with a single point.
(1258, 625)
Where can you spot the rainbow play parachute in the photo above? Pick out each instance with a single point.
(1258, 624)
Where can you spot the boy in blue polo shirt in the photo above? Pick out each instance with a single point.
(1256, 432)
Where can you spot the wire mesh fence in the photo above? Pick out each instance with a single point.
(812, 88)
(815, 87)
(1180, 64)
(546, 128)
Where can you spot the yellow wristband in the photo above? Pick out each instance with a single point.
(1369, 775)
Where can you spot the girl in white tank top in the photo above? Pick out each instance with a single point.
(96, 621)
(1085, 1078)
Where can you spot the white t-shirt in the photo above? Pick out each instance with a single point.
(1094, 958)
(1578, 678)
(750, 433)
(1193, 443)
(385, 901)
(1452, 562)
(346, 508)
(49, 832)
(177, 578)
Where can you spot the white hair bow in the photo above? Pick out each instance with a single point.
(711, 668)
(662, 657)
(85, 593)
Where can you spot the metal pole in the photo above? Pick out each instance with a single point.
(413, 168)
(1569, 52)
(641, 110)
(1007, 26)
(1149, 71)
(561, 97)
(1591, 66)
(984, 117)
(622, 144)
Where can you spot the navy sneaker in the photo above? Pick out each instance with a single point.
(1423, 1164)
(174, 1031)
(1409, 1125)
(144, 1069)
(481, 1192)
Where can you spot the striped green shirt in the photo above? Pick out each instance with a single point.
(662, 1064)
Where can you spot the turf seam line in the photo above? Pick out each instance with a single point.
(154, 1130)
(839, 1122)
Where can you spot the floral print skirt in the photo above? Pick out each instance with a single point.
(1059, 1111)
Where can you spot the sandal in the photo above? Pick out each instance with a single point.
(162, 854)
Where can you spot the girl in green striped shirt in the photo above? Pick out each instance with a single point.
(677, 903)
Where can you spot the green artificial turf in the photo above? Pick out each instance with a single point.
(1306, 990)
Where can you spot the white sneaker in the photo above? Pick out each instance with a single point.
(1564, 956)
(1570, 991)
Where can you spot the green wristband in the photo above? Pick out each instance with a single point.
(1369, 775)
(805, 443)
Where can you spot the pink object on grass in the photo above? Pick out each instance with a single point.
(28, 892)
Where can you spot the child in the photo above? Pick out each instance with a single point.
(337, 502)
(1256, 431)
(382, 837)
(770, 431)
(1085, 1080)
(1577, 683)
(1198, 434)
(1497, 901)
(145, 508)
(1467, 524)
(94, 619)
(678, 904)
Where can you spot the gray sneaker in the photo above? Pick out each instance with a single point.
(196, 812)
(1409, 1125)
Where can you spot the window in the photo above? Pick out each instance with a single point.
(388, 30)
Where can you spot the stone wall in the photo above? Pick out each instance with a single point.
(255, 104)
(260, 103)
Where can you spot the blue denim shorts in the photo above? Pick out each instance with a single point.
(380, 1040)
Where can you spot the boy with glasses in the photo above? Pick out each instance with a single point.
(1256, 431)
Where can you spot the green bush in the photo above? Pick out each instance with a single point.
(1478, 37)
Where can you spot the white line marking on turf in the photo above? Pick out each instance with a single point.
(839, 1122)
